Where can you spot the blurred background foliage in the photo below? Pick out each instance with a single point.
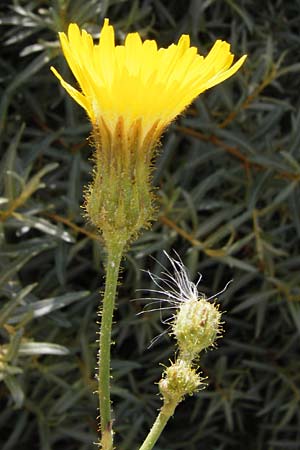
(228, 194)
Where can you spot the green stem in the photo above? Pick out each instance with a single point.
(157, 428)
(114, 256)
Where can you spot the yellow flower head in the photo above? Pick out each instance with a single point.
(131, 92)
(137, 80)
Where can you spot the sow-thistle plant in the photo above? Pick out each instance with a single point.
(131, 93)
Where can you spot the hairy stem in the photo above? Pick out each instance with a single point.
(157, 428)
(114, 256)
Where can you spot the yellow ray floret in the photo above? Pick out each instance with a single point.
(137, 80)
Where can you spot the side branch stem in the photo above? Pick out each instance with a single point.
(157, 428)
(114, 257)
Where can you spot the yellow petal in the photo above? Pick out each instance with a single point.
(227, 74)
(78, 97)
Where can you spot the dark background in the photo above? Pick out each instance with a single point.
(228, 192)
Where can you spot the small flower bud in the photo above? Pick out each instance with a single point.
(179, 380)
(196, 326)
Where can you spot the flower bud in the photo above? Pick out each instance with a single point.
(179, 380)
(196, 326)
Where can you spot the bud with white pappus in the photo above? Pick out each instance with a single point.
(196, 326)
